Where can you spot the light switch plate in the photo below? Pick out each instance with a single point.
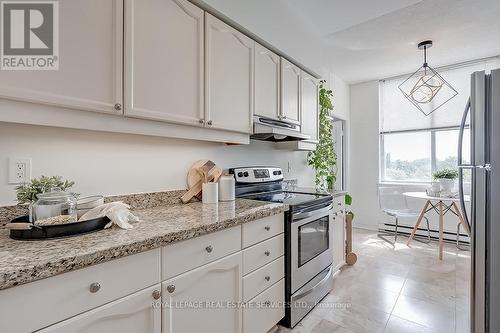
(19, 170)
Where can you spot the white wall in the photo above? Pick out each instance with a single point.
(109, 163)
(364, 163)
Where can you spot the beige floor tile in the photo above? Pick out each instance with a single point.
(443, 294)
(399, 325)
(421, 274)
(358, 318)
(432, 315)
(325, 326)
(366, 296)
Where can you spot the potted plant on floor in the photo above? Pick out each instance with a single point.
(350, 257)
(446, 178)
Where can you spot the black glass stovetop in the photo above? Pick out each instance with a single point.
(289, 198)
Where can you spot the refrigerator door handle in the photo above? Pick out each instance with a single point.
(459, 160)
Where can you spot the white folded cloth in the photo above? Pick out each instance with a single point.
(118, 212)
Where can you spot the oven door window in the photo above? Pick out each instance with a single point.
(313, 239)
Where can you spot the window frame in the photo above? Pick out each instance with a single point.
(432, 131)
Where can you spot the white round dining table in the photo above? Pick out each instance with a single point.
(441, 205)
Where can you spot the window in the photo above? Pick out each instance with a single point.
(413, 146)
(412, 156)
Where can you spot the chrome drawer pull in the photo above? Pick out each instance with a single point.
(267, 303)
(156, 294)
(171, 288)
(267, 228)
(267, 278)
(209, 248)
(94, 287)
(267, 253)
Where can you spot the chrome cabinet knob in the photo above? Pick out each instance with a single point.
(209, 123)
(156, 294)
(267, 253)
(209, 248)
(267, 228)
(267, 278)
(170, 288)
(118, 107)
(201, 121)
(267, 303)
(94, 287)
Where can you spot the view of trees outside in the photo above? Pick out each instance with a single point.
(408, 156)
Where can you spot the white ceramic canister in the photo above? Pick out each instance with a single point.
(226, 188)
(210, 193)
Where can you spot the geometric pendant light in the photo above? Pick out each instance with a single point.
(426, 89)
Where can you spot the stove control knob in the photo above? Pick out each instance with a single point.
(245, 174)
(279, 172)
(275, 173)
(240, 174)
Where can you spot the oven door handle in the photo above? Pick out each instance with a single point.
(308, 291)
(300, 216)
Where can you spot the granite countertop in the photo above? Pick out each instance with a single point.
(26, 261)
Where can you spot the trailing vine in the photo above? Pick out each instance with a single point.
(324, 159)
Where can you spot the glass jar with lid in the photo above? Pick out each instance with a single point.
(55, 207)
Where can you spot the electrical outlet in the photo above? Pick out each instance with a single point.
(19, 170)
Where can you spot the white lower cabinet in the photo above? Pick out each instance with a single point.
(205, 299)
(265, 310)
(339, 233)
(131, 314)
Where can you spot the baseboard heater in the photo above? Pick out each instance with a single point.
(422, 233)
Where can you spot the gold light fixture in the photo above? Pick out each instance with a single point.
(423, 86)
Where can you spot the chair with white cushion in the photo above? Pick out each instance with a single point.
(393, 203)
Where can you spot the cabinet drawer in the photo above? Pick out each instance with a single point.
(48, 301)
(261, 279)
(265, 310)
(257, 231)
(262, 253)
(186, 255)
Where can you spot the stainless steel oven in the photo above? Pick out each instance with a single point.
(310, 262)
(311, 241)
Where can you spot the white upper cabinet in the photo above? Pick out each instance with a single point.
(228, 77)
(131, 314)
(216, 283)
(164, 60)
(309, 106)
(267, 83)
(90, 61)
(290, 92)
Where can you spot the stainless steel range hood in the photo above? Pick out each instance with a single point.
(266, 129)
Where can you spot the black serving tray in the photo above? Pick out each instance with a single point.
(57, 230)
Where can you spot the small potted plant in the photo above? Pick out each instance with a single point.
(28, 193)
(446, 178)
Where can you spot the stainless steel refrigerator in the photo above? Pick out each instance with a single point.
(483, 112)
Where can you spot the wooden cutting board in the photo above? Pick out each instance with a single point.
(193, 176)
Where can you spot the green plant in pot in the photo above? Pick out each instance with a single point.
(27, 193)
(323, 159)
(446, 178)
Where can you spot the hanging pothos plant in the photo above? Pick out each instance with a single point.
(324, 159)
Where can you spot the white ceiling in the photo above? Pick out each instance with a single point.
(374, 39)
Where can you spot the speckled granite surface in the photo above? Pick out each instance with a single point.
(136, 201)
(26, 261)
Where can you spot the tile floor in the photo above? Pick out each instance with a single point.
(395, 290)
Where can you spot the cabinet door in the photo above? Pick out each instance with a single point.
(338, 240)
(229, 77)
(131, 314)
(205, 299)
(90, 66)
(309, 106)
(164, 60)
(267, 83)
(290, 92)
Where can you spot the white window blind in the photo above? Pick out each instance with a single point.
(398, 114)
